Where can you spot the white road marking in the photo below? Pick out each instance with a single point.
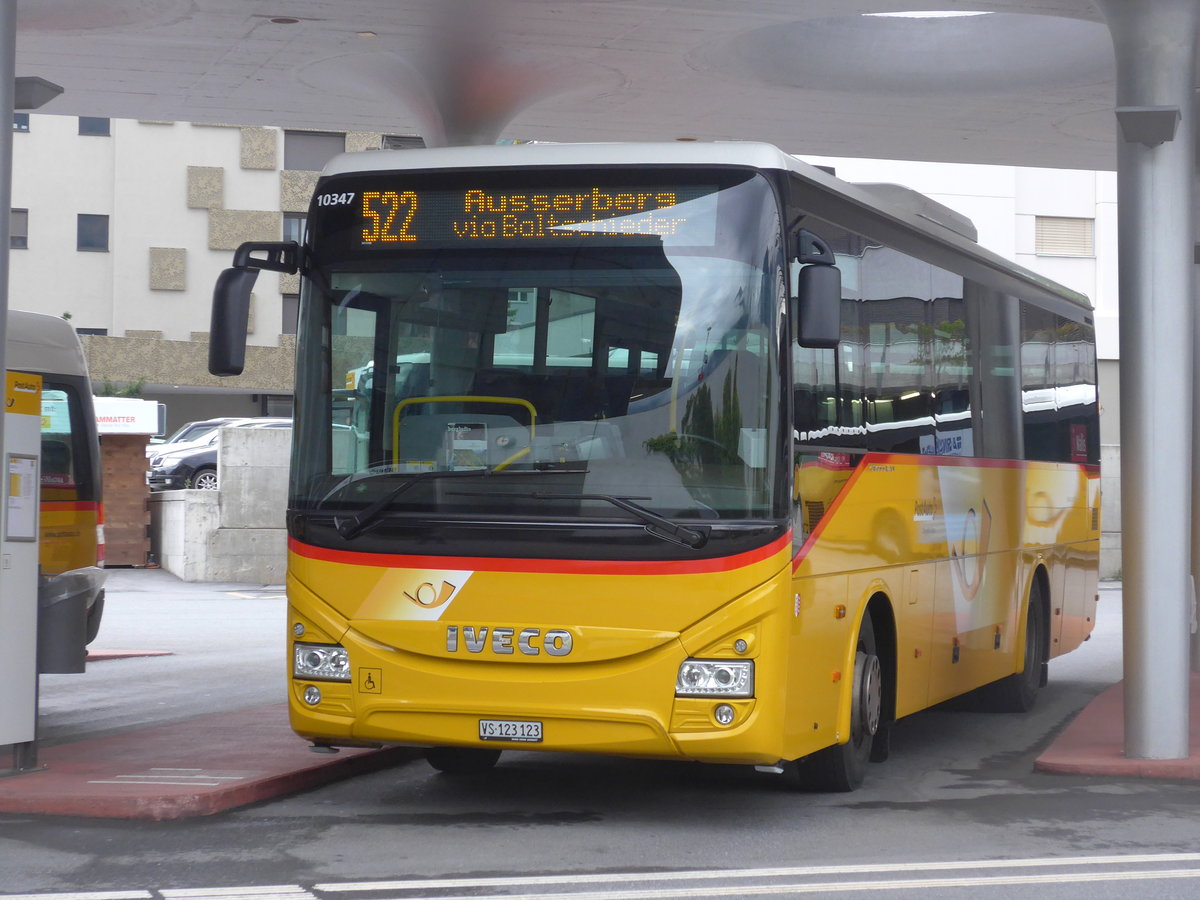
(785, 872)
(741, 882)
(173, 777)
(285, 891)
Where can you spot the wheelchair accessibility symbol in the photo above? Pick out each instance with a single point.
(370, 681)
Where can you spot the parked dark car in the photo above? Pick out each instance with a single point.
(194, 465)
(194, 431)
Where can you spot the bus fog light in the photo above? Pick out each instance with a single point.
(723, 714)
(327, 662)
(715, 678)
(312, 695)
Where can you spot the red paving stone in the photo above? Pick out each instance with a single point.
(193, 768)
(1094, 743)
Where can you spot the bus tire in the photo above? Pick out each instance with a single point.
(842, 767)
(462, 760)
(1017, 693)
(94, 614)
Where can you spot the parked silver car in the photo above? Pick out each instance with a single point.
(193, 464)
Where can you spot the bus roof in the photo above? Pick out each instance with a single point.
(684, 153)
(40, 343)
(902, 206)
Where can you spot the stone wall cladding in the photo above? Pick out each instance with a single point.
(228, 228)
(260, 148)
(205, 187)
(168, 269)
(296, 190)
(145, 355)
(358, 141)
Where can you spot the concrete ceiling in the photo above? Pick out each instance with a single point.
(1032, 83)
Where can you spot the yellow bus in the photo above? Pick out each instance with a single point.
(683, 451)
(71, 516)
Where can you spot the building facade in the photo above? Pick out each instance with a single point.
(123, 226)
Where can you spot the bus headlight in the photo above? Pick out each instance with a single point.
(329, 662)
(715, 678)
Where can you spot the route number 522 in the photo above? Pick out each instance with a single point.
(388, 216)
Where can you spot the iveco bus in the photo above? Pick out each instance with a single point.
(678, 451)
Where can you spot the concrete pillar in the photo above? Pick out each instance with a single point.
(1155, 44)
(8, 67)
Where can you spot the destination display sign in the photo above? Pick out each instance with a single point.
(393, 215)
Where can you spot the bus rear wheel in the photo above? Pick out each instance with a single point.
(462, 760)
(842, 767)
(1017, 693)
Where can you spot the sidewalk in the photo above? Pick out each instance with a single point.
(1094, 742)
(194, 768)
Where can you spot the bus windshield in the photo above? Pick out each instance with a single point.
(624, 350)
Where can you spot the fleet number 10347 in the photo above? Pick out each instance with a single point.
(343, 199)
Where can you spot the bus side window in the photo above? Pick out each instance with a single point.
(56, 458)
(56, 466)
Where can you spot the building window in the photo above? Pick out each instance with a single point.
(18, 229)
(92, 233)
(291, 313)
(293, 227)
(96, 332)
(20, 121)
(308, 151)
(403, 142)
(1062, 236)
(279, 405)
(94, 125)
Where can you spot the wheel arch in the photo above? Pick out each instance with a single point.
(878, 608)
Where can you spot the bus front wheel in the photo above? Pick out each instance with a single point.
(462, 760)
(841, 768)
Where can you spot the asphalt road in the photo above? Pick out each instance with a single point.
(957, 809)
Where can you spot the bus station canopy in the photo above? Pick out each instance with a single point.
(1027, 82)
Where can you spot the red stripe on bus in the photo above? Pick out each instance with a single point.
(974, 462)
(807, 546)
(71, 505)
(546, 566)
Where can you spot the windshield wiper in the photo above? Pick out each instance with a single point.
(352, 526)
(656, 525)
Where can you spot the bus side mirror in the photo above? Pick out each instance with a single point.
(818, 308)
(231, 300)
(230, 319)
(817, 311)
(277, 256)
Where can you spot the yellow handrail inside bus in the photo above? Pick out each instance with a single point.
(464, 398)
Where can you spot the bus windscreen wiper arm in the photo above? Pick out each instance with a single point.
(352, 526)
(657, 525)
